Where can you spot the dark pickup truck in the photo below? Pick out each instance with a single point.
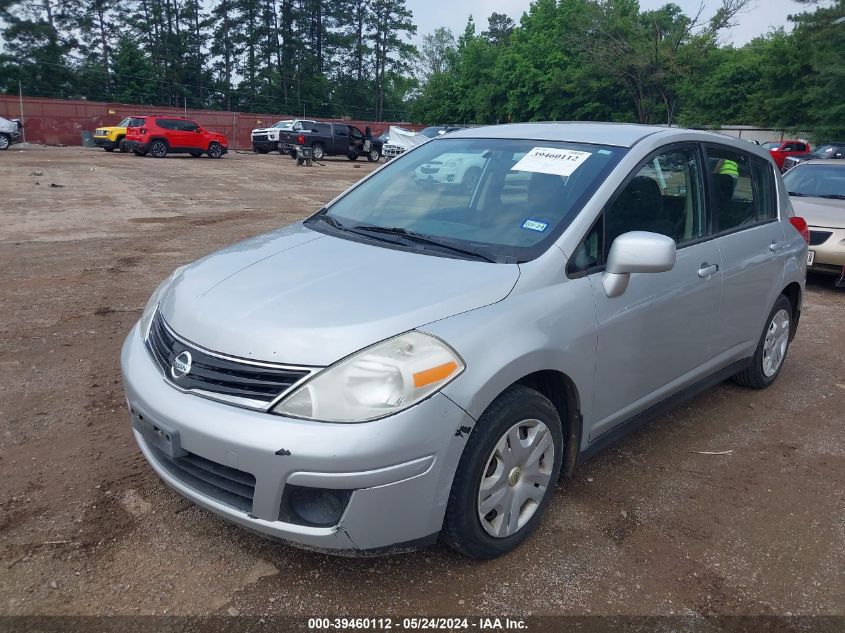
(330, 139)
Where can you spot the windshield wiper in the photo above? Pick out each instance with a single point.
(833, 196)
(796, 194)
(417, 238)
(324, 217)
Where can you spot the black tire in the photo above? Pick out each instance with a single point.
(291, 153)
(374, 156)
(109, 149)
(215, 150)
(352, 156)
(158, 148)
(462, 527)
(755, 376)
(319, 151)
(121, 145)
(5, 142)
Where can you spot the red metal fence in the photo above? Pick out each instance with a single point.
(61, 122)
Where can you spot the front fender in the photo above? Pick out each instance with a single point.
(546, 328)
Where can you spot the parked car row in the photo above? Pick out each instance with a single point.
(160, 135)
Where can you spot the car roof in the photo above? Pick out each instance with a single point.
(599, 133)
(827, 162)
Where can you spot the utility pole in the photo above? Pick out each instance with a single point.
(20, 98)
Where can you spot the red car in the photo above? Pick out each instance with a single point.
(161, 135)
(783, 149)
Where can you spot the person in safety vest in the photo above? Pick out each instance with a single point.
(728, 167)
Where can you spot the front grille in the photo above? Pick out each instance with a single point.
(254, 385)
(819, 237)
(259, 137)
(227, 485)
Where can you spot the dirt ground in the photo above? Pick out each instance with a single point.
(86, 527)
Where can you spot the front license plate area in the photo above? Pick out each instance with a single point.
(158, 435)
(811, 255)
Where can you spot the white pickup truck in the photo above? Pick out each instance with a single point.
(267, 139)
(10, 132)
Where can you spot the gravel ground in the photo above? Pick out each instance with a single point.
(650, 527)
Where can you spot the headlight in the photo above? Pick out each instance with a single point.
(152, 304)
(377, 381)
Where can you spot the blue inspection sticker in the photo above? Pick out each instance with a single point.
(535, 225)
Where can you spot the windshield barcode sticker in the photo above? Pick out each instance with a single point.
(548, 160)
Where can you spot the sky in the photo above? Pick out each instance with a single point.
(761, 17)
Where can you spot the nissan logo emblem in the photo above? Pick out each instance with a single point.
(181, 365)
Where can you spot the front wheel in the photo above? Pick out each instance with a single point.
(506, 475)
(374, 156)
(158, 149)
(4, 142)
(215, 150)
(771, 349)
(319, 152)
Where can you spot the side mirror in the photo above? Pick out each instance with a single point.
(636, 252)
(199, 130)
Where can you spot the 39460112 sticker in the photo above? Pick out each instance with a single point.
(549, 160)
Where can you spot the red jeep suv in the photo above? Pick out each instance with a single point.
(159, 135)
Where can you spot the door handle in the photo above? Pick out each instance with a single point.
(708, 270)
(776, 246)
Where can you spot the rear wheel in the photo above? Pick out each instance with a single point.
(109, 149)
(319, 152)
(506, 475)
(121, 145)
(352, 156)
(215, 150)
(771, 349)
(158, 149)
(292, 153)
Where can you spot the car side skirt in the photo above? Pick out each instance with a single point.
(641, 419)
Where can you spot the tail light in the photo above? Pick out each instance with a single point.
(301, 139)
(800, 225)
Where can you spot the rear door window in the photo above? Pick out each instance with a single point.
(741, 189)
(187, 126)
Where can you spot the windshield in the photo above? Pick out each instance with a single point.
(284, 124)
(501, 199)
(771, 145)
(816, 181)
(124, 123)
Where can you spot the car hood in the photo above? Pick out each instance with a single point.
(263, 130)
(112, 128)
(300, 297)
(826, 212)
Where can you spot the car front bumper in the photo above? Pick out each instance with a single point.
(105, 142)
(266, 146)
(830, 253)
(399, 468)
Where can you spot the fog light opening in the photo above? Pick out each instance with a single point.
(314, 507)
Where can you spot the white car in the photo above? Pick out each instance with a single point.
(266, 140)
(451, 168)
(10, 132)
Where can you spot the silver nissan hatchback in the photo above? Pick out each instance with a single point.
(429, 353)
